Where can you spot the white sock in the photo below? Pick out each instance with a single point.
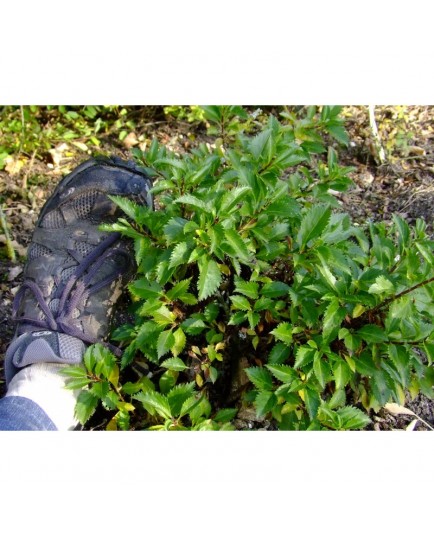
(42, 383)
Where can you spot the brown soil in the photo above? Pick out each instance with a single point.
(403, 185)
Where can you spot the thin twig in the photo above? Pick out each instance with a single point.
(374, 131)
(9, 247)
(399, 295)
(23, 130)
(29, 169)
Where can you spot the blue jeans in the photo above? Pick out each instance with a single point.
(20, 413)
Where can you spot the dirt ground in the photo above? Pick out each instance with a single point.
(403, 185)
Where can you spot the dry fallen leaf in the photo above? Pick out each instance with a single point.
(80, 145)
(13, 165)
(57, 153)
(413, 149)
(412, 425)
(130, 140)
(396, 409)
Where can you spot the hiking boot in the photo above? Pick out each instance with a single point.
(75, 273)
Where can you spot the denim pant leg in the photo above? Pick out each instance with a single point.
(20, 413)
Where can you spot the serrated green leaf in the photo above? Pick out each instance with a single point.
(275, 289)
(283, 332)
(171, 162)
(111, 401)
(286, 207)
(209, 280)
(260, 377)
(190, 404)
(163, 316)
(211, 311)
(144, 384)
(85, 406)
(426, 252)
(312, 402)
(127, 205)
(174, 363)
(247, 288)
(77, 383)
(113, 377)
(226, 415)
(155, 402)
(123, 333)
(342, 374)
(179, 343)
(180, 254)
(193, 201)
(429, 350)
(289, 158)
(333, 317)
(403, 231)
(231, 199)
(216, 235)
(241, 303)
(261, 146)
(279, 354)
(167, 381)
(313, 224)
(338, 399)
(382, 285)
(264, 402)
(179, 289)
(174, 230)
(365, 364)
(237, 318)
(284, 373)
(321, 370)
(213, 374)
(105, 361)
(74, 371)
(304, 356)
(178, 395)
(213, 113)
(329, 418)
(353, 418)
(142, 288)
(401, 358)
(237, 244)
(263, 304)
(165, 342)
(381, 384)
(89, 358)
(193, 326)
(253, 319)
(339, 133)
(207, 168)
(188, 299)
(372, 333)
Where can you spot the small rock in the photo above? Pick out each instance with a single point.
(249, 414)
(14, 272)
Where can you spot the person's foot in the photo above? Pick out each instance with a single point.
(75, 273)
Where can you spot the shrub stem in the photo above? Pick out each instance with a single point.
(400, 294)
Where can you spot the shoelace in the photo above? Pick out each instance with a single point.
(76, 291)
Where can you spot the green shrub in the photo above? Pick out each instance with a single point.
(249, 259)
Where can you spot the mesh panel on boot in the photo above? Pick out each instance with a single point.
(53, 220)
(36, 250)
(83, 248)
(67, 273)
(83, 204)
